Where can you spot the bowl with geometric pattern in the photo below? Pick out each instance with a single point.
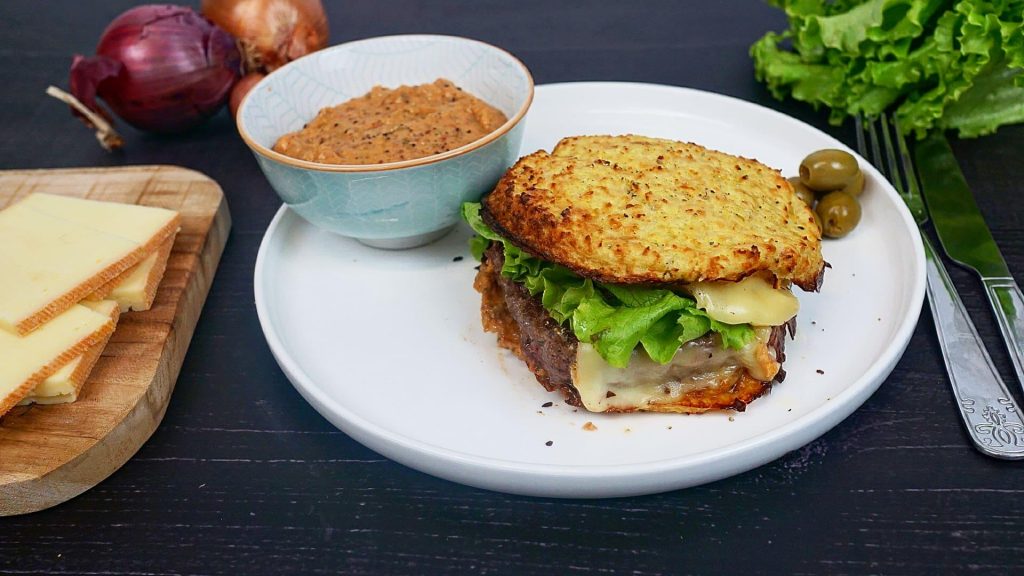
(392, 205)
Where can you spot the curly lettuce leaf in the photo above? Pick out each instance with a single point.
(937, 63)
(995, 99)
(614, 318)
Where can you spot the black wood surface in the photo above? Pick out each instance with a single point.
(243, 477)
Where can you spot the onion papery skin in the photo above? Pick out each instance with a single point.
(177, 68)
(272, 32)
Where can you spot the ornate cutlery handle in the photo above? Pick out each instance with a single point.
(990, 414)
(1008, 305)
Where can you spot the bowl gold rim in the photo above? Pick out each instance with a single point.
(356, 168)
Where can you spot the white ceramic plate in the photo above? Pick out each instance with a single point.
(388, 345)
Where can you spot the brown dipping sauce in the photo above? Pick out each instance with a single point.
(391, 125)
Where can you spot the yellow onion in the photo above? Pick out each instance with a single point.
(271, 32)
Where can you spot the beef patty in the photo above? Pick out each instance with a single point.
(549, 348)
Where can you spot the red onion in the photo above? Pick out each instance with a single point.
(161, 68)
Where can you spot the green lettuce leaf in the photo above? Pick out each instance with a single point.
(995, 99)
(937, 63)
(614, 318)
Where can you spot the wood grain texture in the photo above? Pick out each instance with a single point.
(244, 477)
(49, 454)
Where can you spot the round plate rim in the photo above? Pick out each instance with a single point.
(652, 476)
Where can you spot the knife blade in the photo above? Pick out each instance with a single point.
(967, 240)
(962, 230)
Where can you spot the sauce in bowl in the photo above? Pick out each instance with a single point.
(392, 125)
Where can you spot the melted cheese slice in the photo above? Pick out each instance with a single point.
(752, 300)
(698, 364)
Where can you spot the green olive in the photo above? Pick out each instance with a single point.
(856, 186)
(827, 170)
(839, 213)
(805, 193)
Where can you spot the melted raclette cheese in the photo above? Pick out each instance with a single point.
(752, 300)
(698, 364)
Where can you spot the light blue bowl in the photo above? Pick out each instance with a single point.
(399, 204)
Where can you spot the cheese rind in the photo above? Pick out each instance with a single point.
(62, 386)
(65, 385)
(55, 250)
(25, 361)
(135, 289)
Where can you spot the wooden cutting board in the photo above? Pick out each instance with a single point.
(50, 454)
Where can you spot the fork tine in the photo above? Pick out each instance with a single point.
(899, 170)
(895, 174)
(858, 124)
(876, 148)
(908, 164)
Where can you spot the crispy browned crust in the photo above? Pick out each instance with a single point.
(637, 210)
(731, 393)
(494, 313)
(496, 317)
(734, 390)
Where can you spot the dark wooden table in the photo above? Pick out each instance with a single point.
(243, 477)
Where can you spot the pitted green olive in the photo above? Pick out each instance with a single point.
(855, 186)
(805, 193)
(827, 170)
(839, 213)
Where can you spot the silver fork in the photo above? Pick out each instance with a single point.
(991, 416)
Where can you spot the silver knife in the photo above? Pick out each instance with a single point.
(990, 415)
(967, 239)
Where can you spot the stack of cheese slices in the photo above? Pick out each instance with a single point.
(68, 268)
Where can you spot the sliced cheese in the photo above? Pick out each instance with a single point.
(752, 300)
(135, 289)
(55, 250)
(25, 361)
(698, 364)
(64, 385)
